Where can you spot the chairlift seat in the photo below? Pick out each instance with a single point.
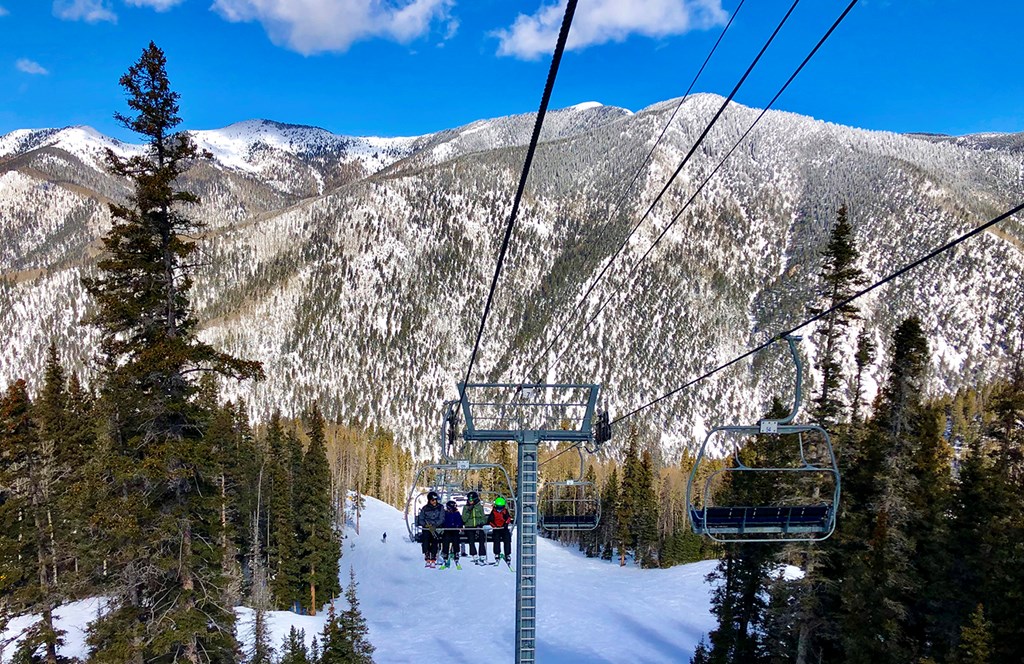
(763, 519)
(465, 536)
(569, 521)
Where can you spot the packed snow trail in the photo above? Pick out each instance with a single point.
(588, 610)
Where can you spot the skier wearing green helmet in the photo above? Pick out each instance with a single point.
(499, 520)
(473, 518)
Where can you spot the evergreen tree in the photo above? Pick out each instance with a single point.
(701, 654)
(647, 508)
(318, 543)
(975, 645)
(282, 549)
(1004, 531)
(50, 464)
(335, 647)
(882, 582)
(864, 356)
(609, 509)
(27, 550)
(590, 542)
(169, 580)
(262, 651)
(627, 505)
(293, 649)
(839, 278)
(359, 648)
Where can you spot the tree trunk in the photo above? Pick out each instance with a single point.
(312, 591)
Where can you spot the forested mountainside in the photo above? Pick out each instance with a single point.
(356, 269)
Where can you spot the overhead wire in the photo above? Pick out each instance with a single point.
(895, 275)
(555, 456)
(643, 163)
(675, 174)
(604, 302)
(556, 59)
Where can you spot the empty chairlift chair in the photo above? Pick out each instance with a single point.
(781, 483)
(568, 505)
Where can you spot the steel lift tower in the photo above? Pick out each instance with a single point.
(528, 415)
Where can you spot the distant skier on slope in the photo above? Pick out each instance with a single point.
(452, 533)
(500, 520)
(473, 518)
(430, 518)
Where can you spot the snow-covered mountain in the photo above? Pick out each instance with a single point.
(587, 610)
(356, 269)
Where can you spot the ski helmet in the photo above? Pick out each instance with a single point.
(499, 502)
(450, 504)
(432, 496)
(472, 496)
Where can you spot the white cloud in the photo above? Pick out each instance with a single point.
(602, 21)
(31, 67)
(90, 11)
(316, 26)
(159, 5)
(3, 12)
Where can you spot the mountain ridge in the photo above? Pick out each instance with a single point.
(360, 283)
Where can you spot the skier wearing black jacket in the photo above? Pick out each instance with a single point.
(430, 518)
(500, 520)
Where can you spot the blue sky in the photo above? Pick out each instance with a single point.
(407, 67)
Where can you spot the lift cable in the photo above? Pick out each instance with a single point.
(632, 272)
(563, 35)
(636, 175)
(682, 164)
(555, 456)
(898, 273)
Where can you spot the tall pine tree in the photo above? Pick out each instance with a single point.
(318, 542)
(167, 598)
(839, 278)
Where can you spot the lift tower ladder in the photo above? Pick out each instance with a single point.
(528, 414)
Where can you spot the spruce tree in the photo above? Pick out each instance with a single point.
(355, 630)
(1004, 532)
(975, 645)
(335, 648)
(609, 510)
(27, 548)
(839, 278)
(293, 649)
(282, 549)
(167, 596)
(882, 582)
(863, 356)
(646, 508)
(318, 543)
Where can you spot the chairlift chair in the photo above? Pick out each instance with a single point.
(569, 505)
(452, 481)
(806, 514)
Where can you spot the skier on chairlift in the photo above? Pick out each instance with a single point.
(450, 537)
(430, 518)
(473, 518)
(500, 520)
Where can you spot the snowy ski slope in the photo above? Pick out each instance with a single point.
(588, 610)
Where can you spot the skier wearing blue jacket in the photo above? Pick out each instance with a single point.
(450, 539)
